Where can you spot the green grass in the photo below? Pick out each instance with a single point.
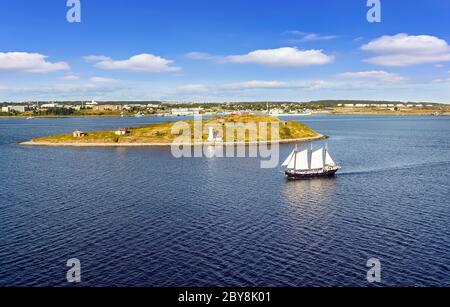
(162, 133)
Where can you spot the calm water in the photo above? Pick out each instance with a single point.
(138, 217)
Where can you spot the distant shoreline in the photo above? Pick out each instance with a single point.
(68, 116)
(302, 116)
(225, 144)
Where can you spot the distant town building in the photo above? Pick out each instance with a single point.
(76, 108)
(153, 106)
(19, 109)
(137, 106)
(276, 111)
(107, 107)
(50, 106)
(186, 111)
(90, 105)
(181, 112)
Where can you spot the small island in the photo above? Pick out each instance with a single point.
(169, 133)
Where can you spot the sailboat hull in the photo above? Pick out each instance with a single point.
(297, 175)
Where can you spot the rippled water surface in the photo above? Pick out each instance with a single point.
(139, 217)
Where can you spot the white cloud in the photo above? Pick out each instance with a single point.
(361, 81)
(103, 80)
(255, 84)
(299, 36)
(70, 78)
(96, 58)
(138, 63)
(442, 80)
(63, 91)
(29, 62)
(377, 75)
(283, 57)
(193, 88)
(406, 50)
(201, 56)
(316, 37)
(282, 90)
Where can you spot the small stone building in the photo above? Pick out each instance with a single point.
(122, 131)
(79, 134)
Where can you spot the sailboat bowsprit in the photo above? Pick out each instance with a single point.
(310, 164)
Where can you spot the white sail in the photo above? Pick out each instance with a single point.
(301, 161)
(289, 159)
(291, 164)
(329, 160)
(317, 160)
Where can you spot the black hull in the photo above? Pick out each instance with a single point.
(303, 176)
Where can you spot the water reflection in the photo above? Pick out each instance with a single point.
(309, 197)
(316, 190)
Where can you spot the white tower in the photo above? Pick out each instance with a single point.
(211, 134)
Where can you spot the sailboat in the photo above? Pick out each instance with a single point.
(307, 163)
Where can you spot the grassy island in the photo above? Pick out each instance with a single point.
(165, 134)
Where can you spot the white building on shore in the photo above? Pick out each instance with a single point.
(17, 108)
(50, 106)
(91, 105)
(186, 111)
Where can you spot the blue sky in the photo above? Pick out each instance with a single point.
(233, 50)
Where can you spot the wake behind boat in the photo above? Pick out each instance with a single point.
(307, 164)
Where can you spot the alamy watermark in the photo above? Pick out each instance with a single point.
(227, 139)
(74, 11)
(374, 273)
(374, 13)
(74, 273)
